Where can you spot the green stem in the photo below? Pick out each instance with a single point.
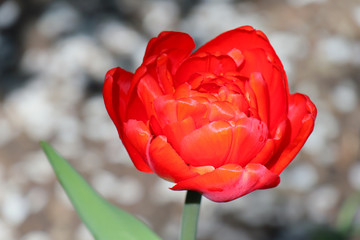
(190, 216)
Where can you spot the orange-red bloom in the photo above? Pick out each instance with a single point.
(220, 121)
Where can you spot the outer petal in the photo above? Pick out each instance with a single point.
(259, 61)
(242, 38)
(204, 64)
(176, 45)
(166, 163)
(208, 145)
(115, 93)
(136, 138)
(230, 181)
(302, 114)
(260, 89)
(250, 136)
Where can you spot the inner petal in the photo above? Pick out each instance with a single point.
(208, 145)
(249, 137)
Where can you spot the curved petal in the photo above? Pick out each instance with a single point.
(249, 137)
(148, 90)
(302, 114)
(166, 163)
(261, 92)
(230, 181)
(176, 45)
(242, 38)
(115, 93)
(258, 61)
(136, 138)
(204, 64)
(175, 132)
(208, 145)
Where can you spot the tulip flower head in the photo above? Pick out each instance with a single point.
(219, 121)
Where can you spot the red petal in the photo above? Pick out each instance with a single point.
(275, 78)
(148, 90)
(176, 45)
(205, 64)
(242, 38)
(260, 90)
(164, 77)
(175, 132)
(250, 136)
(221, 111)
(208, 145)
(166, 163)
(302, 114)
(266, 153)
(115, 93)
(166, 110)
(136, 138)
(230, 181)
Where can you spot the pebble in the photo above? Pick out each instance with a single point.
(38, 198)
(125, 190)
(9, 13)
(97, 125)
(59, 18)
(36, 235)
(14, 208)
(354, 176)
(37, 168)
(335, 49)
(159, 16)
(6, 231)
(123, 40)
(82, 233)
(300, 178)
(344, 96)
(320, 202)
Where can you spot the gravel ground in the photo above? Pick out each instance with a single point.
(53, 57)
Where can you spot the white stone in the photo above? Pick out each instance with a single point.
(326, 128)
(15, 208)
(115, 152)
(36, 235)
(301, 177)
(289, 45)
(125, 190)
(159, 16)
(356, 14)
(37, 168)
(6, 231)
(82, 233)
(37, 109)
(58, 18)
(8, 132)
(119, 38)
(60, 194)
(37, 198)
(320, 203)
(301, 3)
(78, 54)
(104, 183)
(354, 176)
(335, 49)
(9, 13)
(220, 17)
(97, 123)
(344, 96)
(161, 194)
(128, 191)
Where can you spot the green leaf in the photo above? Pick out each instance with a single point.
(105, 221)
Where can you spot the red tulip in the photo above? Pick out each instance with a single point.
(220, 121)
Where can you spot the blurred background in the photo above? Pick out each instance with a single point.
(53, 58)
